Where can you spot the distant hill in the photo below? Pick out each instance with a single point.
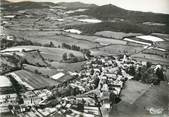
(127, 27)
(10, 6)
(76, 5)
(121, 20)
(4, 2)
(110, 12)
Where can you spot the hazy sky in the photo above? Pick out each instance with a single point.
(158, 6)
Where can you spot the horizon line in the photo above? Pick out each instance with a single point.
(110, 3)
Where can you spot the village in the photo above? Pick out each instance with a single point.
(96, 88)
(59, 60)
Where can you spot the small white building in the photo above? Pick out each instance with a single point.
(9, 16)
(144, 39)
(90, 20)
(73, 31)
(10, 37)
(57, 76)
(150, 38)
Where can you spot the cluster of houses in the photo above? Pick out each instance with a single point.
(103, 77)
(97, 85)
(11, 102)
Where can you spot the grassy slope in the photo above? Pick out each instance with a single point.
(155, 96)
(9, 63)
(34, 58)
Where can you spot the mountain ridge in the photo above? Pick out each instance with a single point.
(76, 5)
(14, 6)
(109, 12)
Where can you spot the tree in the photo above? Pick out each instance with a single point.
(64, 57)
(67, 46)
(75, 59)
(86, 52)
(37, 72)
(51, 44)
(71, 55)
(149, 64)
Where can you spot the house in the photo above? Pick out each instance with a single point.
(143, 39)
(6, 100)
(9, 17)
(57, 76)
(73, 31)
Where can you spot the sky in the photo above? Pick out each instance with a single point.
(157, 6)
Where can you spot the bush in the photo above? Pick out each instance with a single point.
(71, 55)
(64, 56)
(37, 72)
(75, 59)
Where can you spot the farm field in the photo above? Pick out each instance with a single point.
(153, 61)
(117, 49)
(7, 90)
(68, 66)
(31, 56)
(56, 68)
(164, 44)
(34, 58)
(134, 51)
(7, 115)
(98, 39)
(48, 52)
(104, 41)
(45, 71)
(45, 37)
(56, 53)
(148, 56)
(49, 72)
(35, 80)
(116, 35)
(148, 99)
(6, 85)
(59, 37)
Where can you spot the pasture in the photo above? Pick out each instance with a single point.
(117, 49)
(45, 71)
(116, 35)
(68, 66)
(48, 53)
(45, 37)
